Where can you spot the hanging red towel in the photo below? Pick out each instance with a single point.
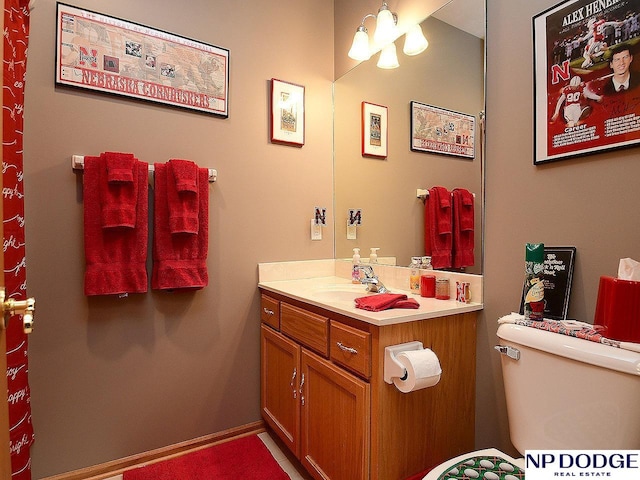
(179, 259)
(463, 228)
(438, 227)
(120, 200)
(115, 257)
(182, 195)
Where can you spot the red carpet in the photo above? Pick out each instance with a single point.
(246, 458)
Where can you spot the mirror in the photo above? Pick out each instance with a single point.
(449, 75)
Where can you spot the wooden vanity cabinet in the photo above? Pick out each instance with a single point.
(323, 393)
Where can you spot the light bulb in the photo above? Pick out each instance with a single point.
(388, 57)
(360, 46)
(414, 41)
(385, 27)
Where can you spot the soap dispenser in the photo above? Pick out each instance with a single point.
(373, 257)
(355, 271)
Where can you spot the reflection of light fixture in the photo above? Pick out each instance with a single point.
(388, 57)
(414, 41)
(385, 26)
(383, 37)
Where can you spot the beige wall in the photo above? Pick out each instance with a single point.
(113, 377)
(588, 202)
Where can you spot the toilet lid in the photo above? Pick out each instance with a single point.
(486, 464)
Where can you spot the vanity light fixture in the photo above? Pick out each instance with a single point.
(383, 38)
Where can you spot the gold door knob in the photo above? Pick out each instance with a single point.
(26, 308)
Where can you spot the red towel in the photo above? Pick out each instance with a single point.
(115, 257)
(463, 228)
(385, 301)
(437, 227)
(179, 259)
(182, 194)
(120, 199)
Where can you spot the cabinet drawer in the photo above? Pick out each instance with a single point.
(351, 348)
(270, 311)
(310, 329)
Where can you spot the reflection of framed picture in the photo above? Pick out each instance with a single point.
(586, 87)
(374, 130)
(558, 275)
(287, 113)
(438, 130)
(106, 54)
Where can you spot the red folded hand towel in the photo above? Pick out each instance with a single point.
(115, 257)
(120, 190)
(385, 301)
(179, 259)
(463, 228)
(437, 226)
(182, 194)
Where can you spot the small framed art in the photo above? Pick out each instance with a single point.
(374, 130)
(287, 113)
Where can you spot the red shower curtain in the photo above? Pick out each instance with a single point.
(16, 36)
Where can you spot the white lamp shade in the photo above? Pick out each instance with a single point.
(388, 57)
(360, 46)
(385, 28)
(414, 41)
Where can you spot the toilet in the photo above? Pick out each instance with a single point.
(563, 393)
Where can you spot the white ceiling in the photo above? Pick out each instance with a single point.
(467, 15)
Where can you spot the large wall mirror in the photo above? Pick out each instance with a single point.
(450, 74)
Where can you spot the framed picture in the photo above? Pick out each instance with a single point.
(109, 55)
(287, 113)
(374, 130)
(586, 91)
(558, 276)
(438, 130)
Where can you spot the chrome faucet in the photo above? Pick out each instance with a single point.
(371, 280)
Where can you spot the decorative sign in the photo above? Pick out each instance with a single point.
(437, 130)
(586, 81)
(106, 54)
(320, 216)
(355, 217)
(558, 275)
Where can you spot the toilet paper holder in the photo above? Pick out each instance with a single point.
(392, 367)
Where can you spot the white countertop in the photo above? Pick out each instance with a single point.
(337, 294)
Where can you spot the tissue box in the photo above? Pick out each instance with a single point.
(618, 309)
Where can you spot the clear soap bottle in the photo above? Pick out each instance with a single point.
(414, 276)
(355, 263)
(426, 263)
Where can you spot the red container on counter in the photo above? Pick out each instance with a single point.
(618, 309)
(428, 286)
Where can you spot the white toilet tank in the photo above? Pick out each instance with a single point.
(567, 393)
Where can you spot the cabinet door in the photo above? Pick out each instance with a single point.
(335, 421)
(279, 386)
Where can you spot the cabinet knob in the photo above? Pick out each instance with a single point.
(267, 311)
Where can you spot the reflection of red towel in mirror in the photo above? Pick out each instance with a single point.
(437, 227)
(463, 228)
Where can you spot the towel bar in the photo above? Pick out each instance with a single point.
(77, 163)
(423, 193)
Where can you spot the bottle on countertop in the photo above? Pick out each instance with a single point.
(426, 263)
(414, 276)
(373, 256)
(355, 263)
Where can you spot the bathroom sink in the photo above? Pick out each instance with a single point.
(338, 292)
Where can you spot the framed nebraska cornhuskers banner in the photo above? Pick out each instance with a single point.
(586, 78)
(105, 54)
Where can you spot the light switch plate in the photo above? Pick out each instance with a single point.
(316, 230)
(351, 232)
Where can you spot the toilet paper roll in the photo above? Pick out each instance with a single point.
(423, 370)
